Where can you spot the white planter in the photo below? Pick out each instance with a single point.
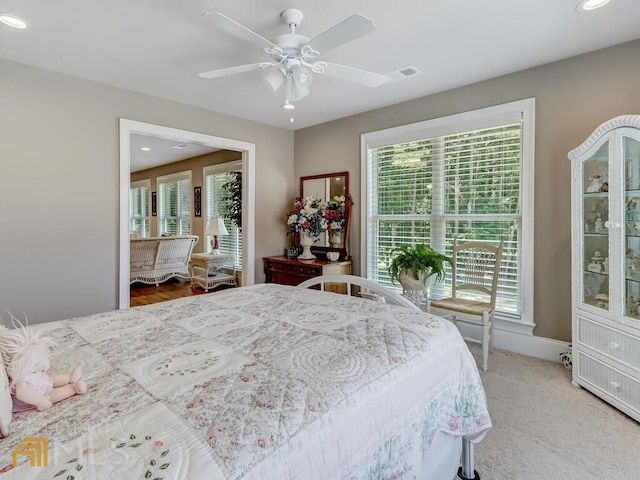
(415, 290)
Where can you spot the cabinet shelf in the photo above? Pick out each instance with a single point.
(599, 273)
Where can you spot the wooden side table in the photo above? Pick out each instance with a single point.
(291, 271)
(205, 270)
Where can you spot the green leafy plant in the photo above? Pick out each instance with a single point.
(417, 259)
(233, 210)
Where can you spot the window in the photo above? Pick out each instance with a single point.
(139, 208)
(217, 199)
(468, 176)
(174, 204)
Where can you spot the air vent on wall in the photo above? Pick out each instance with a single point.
(404, 73)
(181, 146)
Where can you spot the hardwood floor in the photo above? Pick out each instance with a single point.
(143, 294)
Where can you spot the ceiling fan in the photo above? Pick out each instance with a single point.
(294, 56)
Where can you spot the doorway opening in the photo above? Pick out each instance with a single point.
(132, 127)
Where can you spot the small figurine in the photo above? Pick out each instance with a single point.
(602, 300)
(596, 262)
(26, 356)
(632, 212)
(595, 184)
(598, 226)
(604, 187)
(631, 303)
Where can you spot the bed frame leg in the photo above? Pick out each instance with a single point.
(466, 471)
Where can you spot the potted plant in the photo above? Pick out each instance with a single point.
(416, 265)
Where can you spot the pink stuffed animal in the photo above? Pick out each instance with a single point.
(26, 356)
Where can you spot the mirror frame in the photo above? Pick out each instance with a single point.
(321, 251)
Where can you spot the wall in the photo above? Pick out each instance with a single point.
(195, 164)
(59, 187)
(573, 97)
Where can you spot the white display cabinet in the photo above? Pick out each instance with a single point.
(606, 263)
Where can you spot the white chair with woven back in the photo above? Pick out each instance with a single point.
(474, 286)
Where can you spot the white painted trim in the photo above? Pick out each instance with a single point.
(515, 326)
(128, 127)
(221, 167)
(525, 344)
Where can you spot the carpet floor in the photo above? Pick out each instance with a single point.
(544, 428)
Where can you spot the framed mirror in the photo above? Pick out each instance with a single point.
(326, 187)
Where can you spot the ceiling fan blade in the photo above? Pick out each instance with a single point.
(224, 72)
(355, 75)
(234, 28)
(353, 27)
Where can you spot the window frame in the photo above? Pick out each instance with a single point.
(175, 177)
(521, 110)
(146, 183)
(226, 167)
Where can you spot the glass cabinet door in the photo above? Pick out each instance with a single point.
(595, 208)
(631, 209)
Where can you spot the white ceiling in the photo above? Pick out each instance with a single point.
(161, 151)
(158, 47)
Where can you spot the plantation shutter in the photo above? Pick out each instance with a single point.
(174, 204)
(217, 201)
(463, 184)
(139, 208)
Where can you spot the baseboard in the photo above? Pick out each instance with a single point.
(531, 345)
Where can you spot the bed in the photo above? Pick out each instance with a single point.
(260, 382)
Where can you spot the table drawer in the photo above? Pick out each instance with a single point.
(615, 383)
(618, 345)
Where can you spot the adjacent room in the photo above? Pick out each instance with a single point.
(320, 240)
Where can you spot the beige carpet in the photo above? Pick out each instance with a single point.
(544, 428)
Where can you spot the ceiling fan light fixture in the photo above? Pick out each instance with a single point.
(301, 75)
(590, 5)
(274, 79)
(287, 105)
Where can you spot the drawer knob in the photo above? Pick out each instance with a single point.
(614, 345)
(614, 385)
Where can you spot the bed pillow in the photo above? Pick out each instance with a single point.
(5, 401)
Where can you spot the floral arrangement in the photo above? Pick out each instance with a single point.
(307, 217)
(334, 214)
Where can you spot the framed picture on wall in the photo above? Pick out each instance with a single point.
(197, 201)
(154, 204)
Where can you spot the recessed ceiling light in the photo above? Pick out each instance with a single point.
(589, 5)
(13, 21)
(145, 149)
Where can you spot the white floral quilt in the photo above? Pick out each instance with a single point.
(261, 382)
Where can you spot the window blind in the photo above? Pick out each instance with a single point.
(464, 185)
(139, 208)
(174, 204)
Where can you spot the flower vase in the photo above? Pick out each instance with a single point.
(335, 239)
(306, 241)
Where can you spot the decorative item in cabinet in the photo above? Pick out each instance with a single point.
(291, 271)
(606, 263)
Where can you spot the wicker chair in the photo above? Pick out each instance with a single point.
(476, 267)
